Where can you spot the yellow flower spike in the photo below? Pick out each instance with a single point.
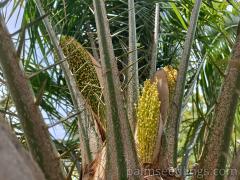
(80, 64)
(172, 79)
(148, 110)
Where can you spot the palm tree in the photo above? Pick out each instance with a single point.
(12, 148)
(208, 59)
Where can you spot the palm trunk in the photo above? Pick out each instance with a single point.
(215, 151)
(16, 161)
(77, 97)
(35, 130)
(132, 66)
(172, 126)
(121, 153)
(235, 167)
(153, 65)
(93, 46)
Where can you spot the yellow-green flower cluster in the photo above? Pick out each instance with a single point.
(172, 79)
(80, 64)
(148, 113)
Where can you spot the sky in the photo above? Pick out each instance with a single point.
(13, 22)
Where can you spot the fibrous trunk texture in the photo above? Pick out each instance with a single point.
(153, 64)
(172, 126)
(235, 167)
(36, 132)
(215, 153)
(77, 97)
(121, 152)
(132, 66)
(15, 162)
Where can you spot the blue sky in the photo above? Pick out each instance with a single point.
(13, 22)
